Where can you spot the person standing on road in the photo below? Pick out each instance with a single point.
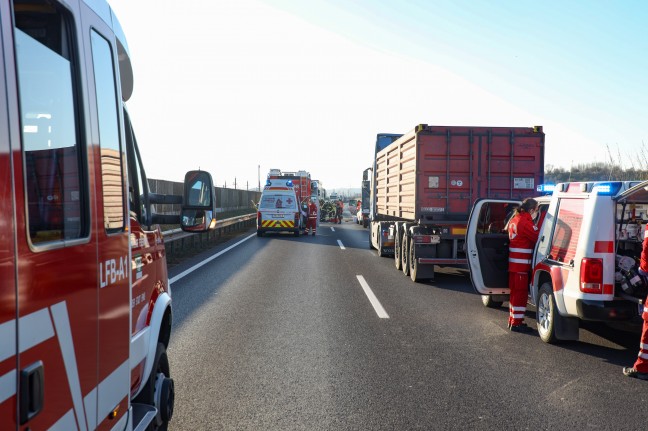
(312, 218)
(339, 210)
(523, 235)
(640, 368)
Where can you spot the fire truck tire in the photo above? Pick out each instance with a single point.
(397, 250)
(405, 245)
(159, 390)
(546, 314)
(488, 301)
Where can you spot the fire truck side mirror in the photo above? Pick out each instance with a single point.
(199, 202)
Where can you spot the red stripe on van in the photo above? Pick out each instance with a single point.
(603, 247)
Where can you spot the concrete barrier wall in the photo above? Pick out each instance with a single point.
(226, 199)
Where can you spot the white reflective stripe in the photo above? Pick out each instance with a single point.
(646, 233)
(123, 422)
(521, 250)
(34, 328)
(643, 346)
(7, 386)
(113, 389)
(139, 347)
(643, 355)
(8, 337)
(62, 324)
(90, 404)
(518, 315)
(514, 260)
(66, 423)
(517, 308)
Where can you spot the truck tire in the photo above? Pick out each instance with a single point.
(371, 247)
(488, 301)
(365, 223)
(163, 399)
(413, 262)
(546, 314)
(397, 250)
(405, 245)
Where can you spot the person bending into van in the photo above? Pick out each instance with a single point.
(640, 368)
(523, 235)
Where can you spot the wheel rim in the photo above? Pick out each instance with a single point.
(544, 313)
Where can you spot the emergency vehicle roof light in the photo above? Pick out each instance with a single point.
(289, 183)
(607, 189)
(268, 183)
(546, 188)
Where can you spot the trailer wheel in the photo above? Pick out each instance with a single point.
(159, 391)
(546, 314)
(397, 250)
(488, 301)
(405, 254)
(413, 262)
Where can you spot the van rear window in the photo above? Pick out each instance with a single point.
(567, 230)
(277, 200)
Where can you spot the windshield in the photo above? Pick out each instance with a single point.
(277, 200)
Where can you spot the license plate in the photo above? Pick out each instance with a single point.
(278, 216)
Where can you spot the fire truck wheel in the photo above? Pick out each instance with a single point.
(397, 250)
(546, 314)
(488, 301)
(405, 245)
(159, 390)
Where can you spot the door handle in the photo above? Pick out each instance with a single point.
(32, 391)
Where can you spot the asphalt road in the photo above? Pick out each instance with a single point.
(278, 334)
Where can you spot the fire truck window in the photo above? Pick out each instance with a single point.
(111, 151)
(56, 203)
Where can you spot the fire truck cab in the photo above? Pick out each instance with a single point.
(585, 262)
(85, 301)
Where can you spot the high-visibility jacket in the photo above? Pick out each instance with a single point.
(523, 235)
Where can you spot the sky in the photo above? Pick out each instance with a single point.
(240, 87)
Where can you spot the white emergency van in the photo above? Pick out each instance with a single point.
(586, 259)
(278, 209)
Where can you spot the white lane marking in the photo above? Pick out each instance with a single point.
(332, 228)
(206, 261)
(372, 298)
(341, 245)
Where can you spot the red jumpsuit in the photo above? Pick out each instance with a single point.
(312, 218)
(642, 361)
(523, 235)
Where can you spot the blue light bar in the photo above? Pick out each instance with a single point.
(546, 188)
(289, 183)
(268, 183)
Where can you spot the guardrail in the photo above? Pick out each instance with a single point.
(177, 240)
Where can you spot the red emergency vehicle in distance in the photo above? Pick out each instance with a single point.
(301, 182)
(85, 302)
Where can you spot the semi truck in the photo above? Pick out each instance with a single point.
(85, 300)
(425, 182)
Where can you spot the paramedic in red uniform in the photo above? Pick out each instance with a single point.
(312, 218)
(523, 235)
(640, 368)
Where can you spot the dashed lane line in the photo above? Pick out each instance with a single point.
(372, 298)
(341, 245)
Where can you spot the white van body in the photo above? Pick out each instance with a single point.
(576, 273)
(278, 209)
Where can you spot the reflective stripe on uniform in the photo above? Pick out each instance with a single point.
(643, 355)
(521, 250)
(514, 260)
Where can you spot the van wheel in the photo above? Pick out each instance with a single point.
(488, 301)
(159, 391)
(405, 245)
(546, 314)
(296, 233)
(397, 251)
(259, 233)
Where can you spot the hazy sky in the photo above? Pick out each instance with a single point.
(307, 84)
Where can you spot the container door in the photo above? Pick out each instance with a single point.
(487, 245)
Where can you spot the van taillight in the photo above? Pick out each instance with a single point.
(591, 275)
(296, 217)
(259, 217)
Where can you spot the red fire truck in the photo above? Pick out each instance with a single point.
(85, 302)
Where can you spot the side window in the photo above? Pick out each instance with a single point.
(111, 151)
(137, 187)
(567, 230)
(494, 216)
(53, 153)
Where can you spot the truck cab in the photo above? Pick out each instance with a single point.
(585, 262)
(85, 302)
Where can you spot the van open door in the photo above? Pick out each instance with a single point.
(487, 248)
